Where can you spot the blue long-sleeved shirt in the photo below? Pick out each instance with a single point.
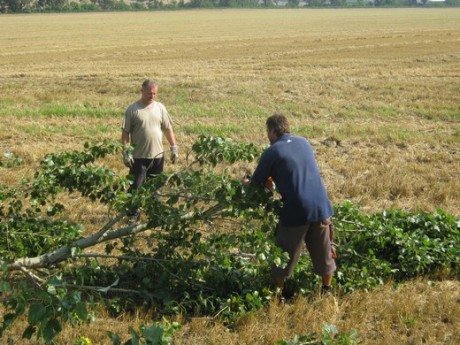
(291, 163)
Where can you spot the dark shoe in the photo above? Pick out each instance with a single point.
(278, 296)
(290, 290)
(326, 290)
(281, 299)
(132, 218)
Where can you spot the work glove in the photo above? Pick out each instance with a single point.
(174, 154)
(128, 159)
(270, 184)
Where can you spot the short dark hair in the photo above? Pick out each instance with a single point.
(279, 123)
(150, 83)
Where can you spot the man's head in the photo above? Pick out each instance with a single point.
(149, 91)
(277, 126)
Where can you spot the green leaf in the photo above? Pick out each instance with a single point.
(174, 199)
(51, 289)
(81, 311)
(114, 338)
(329, 330)
(8, 319)
(28, 333)
(5, 286)
(154, 334)
(135, 337)
(51, 329)
(37, 313)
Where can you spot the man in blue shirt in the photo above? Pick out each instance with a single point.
(307, 211)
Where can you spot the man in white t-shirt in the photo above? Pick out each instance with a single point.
(143, 126)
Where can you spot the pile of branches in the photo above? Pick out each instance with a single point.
(204, 244)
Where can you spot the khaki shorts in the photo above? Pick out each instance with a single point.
(318, 242)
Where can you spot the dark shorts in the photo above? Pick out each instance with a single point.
(318, 242)
(142, 168)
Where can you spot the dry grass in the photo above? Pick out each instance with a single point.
(376, 91)
(418, 312)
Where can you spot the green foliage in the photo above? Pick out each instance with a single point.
(155, 334)
(209, 251)
(329, 336)
(27, 6)
(77, 171)
(213, 150)
(18, 6)
(29, 214)
(268, 3)
(293, 3)
(394, 245)
(239, 3)
(36, 235)
(47, 307)
(9, 160)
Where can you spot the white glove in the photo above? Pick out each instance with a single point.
(174, 154)
(128, 159)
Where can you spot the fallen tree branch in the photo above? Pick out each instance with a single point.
(126, 257)
(103, 235)
(61, 253)
(102, 289)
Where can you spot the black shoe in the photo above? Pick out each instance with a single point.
(132, 218)
(326, 290)
(290, 289)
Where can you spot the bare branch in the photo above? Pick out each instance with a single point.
(35, 279)
(100, 288)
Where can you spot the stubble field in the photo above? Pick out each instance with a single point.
(375, 90)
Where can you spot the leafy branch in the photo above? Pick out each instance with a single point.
(208, 251)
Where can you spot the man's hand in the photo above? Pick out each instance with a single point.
(174, 154)
(128, 159)
(326, 223)
(269, 184)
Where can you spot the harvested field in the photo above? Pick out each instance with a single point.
(376, 91)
